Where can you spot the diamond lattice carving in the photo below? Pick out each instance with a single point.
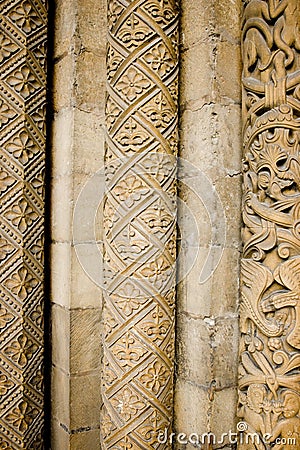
(140, 219)
(22, 152)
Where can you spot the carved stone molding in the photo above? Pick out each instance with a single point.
(22, 151)
(269, 376)
(140, 221)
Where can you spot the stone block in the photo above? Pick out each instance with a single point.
(63, 82)
(60, 396)
(228, 71)
(193, 366)
(85, 440)
(230, 191)
(196, 76)
(225, 343)
(89, 82)
(211, 139)
(195, 21)
(88, 141)
(62, 141)
(229, 29)
(193, 218)
(62, 206)
(60, 337)
(225, 284)
(85, 401)
(61, 273)
(65, 26)
(85, 340)
(86, 277)
(91, 26)
(60, 438)
(191, 404)
(224, 414)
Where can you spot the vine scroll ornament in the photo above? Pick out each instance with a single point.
(139, 223)
(269, 375)
(23, 32)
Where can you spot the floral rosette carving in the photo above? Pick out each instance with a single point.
(23, 45)
(139, 222)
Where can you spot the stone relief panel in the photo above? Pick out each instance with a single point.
(269, 375)
(140, 222)
(23, 32)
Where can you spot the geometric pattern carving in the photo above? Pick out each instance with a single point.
(269, 376)
(140, 223)
(23, 32)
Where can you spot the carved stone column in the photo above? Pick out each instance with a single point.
(269, 400)
(22, 137)
(140, 219)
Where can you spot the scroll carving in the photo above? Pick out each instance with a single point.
(23, 35)
(269, 376)
(140, 220)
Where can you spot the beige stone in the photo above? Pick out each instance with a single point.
(60, 438)
(85, 440)
(211, 142)
(60, 396)
(78, 148)
(61, 276)
(85, 401)
(224, 415)
(191, 405)
(91, 25)
(196, 298)
(63, 79)
(228, 70)
(62, 141)
(197, 89)
(61, 337)
(62, 208)
(85, 340)
(194, 366)
(225, 342)
(65, 26)
(88, 143)
(229, 29)
(86, 276)
(89, 85)
(225, 292)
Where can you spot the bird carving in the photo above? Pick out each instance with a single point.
(288, 275)
(256, 278)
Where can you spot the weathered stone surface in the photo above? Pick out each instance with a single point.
(77, 153)
(207, 330)
(191, 400)
(193, 367)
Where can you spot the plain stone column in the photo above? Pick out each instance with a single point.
(77, 153)
(208, 294)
